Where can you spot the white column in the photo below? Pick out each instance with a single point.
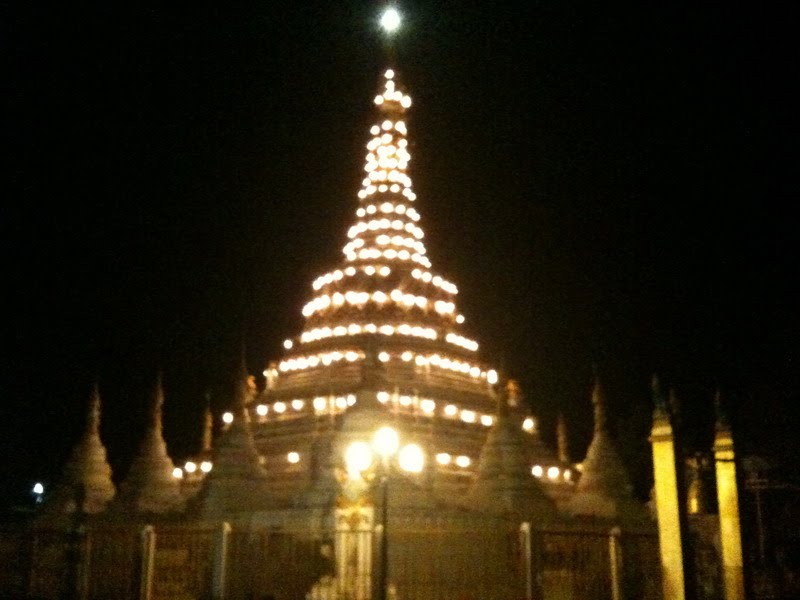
(615, 562)
(148, 562)
(221, 539)
(525, 541)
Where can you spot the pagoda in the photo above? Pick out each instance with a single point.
(383, 336)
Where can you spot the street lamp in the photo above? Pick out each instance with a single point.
(38, 492)
(359, 458)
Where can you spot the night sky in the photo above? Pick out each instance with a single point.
(607, 187)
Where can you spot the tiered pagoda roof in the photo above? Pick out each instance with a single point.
(384, 308)
(382, 331)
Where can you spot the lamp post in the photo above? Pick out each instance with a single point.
(386, 443)
(359, 459)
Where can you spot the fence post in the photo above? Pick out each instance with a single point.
(525, 543)
(148, 562)
(85, 564)
(615, 562)
(221, 540)
(536, 538)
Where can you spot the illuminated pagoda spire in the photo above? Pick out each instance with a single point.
(382, 334)
(237, 481)
(562, 439)
(385, 291)
(383, 327)
(604, 489)
(150, 486)
(208, 429)
(87, 474)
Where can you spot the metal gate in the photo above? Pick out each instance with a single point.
(440, 561)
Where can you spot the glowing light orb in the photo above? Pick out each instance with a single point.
(390, 20)
(386, 441)
(411, 458)
(358, 457)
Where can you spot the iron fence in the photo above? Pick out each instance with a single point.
(191, 561)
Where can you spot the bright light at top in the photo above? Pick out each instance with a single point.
(38, 488)
(386, 441)
(390, 20)
(358, 457)
(411, 458)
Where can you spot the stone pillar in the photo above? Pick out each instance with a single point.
(221, 540)
(668, 504)
(148, 562)
(525, 543)
(536, 539)
(728, 500)
(615, 562)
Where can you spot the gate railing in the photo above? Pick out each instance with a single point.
(606, 564)
(443, 562)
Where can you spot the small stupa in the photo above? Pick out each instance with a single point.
(238, 482)
(150, 486)
(86, 485)
(503, 483)
(604, 489)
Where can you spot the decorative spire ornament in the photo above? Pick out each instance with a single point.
(208, 428)
(598, 401)
(659, 402)
(722, 422)
(563, 440)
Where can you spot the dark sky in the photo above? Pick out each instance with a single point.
(606, 186)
